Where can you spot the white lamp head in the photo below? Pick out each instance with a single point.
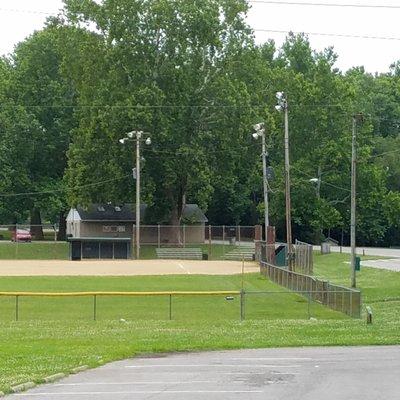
(122, 141)
(148, 141)
(259, 126)
(278, 108)
(280, 95)
(130, 134)
(314, 180)
(255, 135)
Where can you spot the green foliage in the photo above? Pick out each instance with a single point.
(190, 74)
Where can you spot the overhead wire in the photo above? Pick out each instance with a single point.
(340, 35)
(62, 190)
(317, 4)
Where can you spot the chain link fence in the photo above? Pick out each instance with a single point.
(216, 242)
(184, 306)
(336, 297)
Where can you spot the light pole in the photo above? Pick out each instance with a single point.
(138, 137)
(283, 106)
(260, 132)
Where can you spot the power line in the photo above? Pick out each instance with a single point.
(281, 3)
(324, 182)
(341, 35)
(383, 154)
(312, 4)
(63, 190)
(17, 10)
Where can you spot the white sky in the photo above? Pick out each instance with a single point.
(375, 55)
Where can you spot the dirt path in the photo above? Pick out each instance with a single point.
(121, 268)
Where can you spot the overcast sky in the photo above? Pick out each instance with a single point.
(19, 18)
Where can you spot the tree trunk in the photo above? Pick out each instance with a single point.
(175, 221)
(36, 224)
(62, 227)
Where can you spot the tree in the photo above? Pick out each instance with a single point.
(165, 65)
(40, 86)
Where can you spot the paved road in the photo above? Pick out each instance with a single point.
(335, 373)
(368, 251)
(392, 264)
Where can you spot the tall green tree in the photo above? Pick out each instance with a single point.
(39, 85)
(165, 69)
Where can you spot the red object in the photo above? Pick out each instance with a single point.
(21, 235)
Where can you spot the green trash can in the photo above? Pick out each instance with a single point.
(281, 256)
(357, 264)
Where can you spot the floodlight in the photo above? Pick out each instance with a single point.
(259, 126)
(314, 180)
(122, 141)
(280, 95)
(148, 141)
(255, 135)
(130, 134)
(278, 108)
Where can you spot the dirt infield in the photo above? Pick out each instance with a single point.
(121, 268)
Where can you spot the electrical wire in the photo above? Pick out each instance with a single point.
(340, 35)
(323, 182)
(23, 11)
(62, 190)
(383, 154)
(314, 4)
(280, 3)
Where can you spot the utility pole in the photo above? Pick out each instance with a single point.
(356, 118)
(283, 106)
(287, 191)
(260, 132)
(138, 137)
(137, 219)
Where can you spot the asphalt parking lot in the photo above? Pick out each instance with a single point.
(353, 373)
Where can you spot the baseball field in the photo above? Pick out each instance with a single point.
(55, 335)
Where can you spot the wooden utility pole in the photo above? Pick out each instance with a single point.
(287, 189)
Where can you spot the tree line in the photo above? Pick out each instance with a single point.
(191, 74)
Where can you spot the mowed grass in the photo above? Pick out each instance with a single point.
(33, 251)
(57, 335)
(264, 300)
(377, 285)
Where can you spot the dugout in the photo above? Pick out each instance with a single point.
(99, 248)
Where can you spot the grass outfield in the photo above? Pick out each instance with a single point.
(283, 304)
(34, 348)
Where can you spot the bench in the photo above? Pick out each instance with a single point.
(240, 253)
(186, 253)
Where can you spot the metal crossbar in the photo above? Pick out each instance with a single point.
(137, 294)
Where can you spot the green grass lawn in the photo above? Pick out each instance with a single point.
(377, 285)
(55, 335)
(33, 251)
